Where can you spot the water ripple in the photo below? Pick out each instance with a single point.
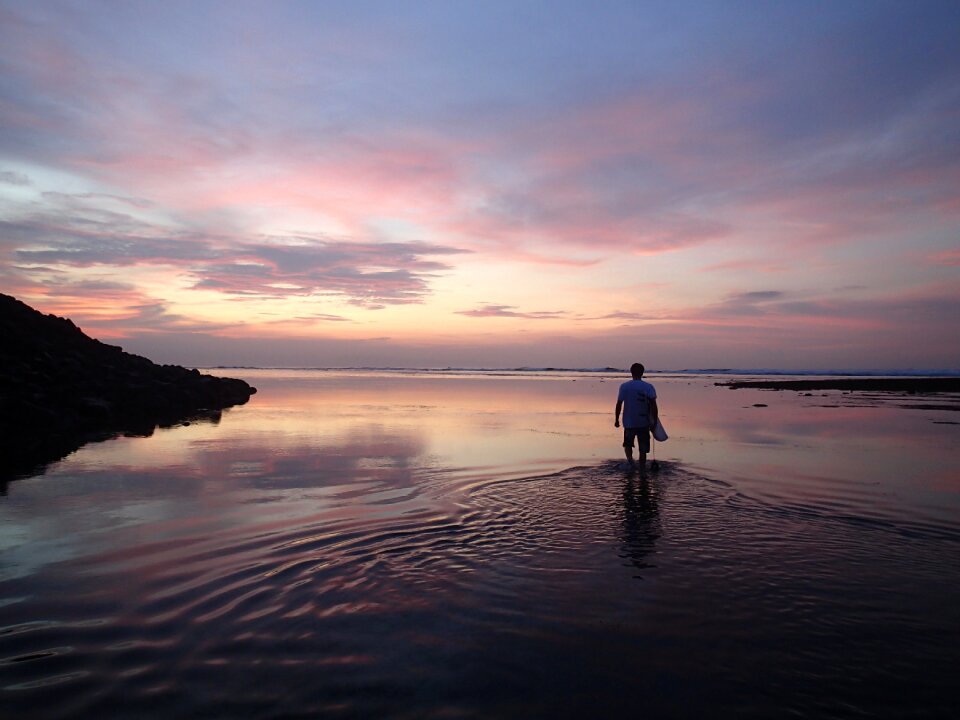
(465, 586)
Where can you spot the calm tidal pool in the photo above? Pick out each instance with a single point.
(398, 544)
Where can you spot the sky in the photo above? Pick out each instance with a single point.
(488, 184)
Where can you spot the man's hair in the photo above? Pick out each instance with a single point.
(637, 370)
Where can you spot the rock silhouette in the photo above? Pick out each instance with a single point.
(60, 389)
(911, 385)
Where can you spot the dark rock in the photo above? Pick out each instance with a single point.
(911, 385)
(60, 389)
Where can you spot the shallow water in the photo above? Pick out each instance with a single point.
(410, 545)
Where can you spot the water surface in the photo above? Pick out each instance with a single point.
(356, 544)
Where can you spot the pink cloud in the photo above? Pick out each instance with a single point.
(753, 266)
(947, 257)
(110, 310)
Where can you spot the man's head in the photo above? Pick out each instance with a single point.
(637, 370)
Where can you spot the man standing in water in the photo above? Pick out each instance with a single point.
(638, 400)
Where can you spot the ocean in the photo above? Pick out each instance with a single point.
(463, 543)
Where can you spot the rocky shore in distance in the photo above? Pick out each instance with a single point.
(60, 389)
(909, 385)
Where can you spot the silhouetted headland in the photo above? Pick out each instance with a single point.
(60, 389)
(913, 385)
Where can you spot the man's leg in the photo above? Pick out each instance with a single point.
(643, 446)
(628, 445)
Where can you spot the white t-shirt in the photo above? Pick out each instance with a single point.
(636, 396)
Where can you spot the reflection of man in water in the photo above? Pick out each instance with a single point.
(638, 400)
(641, 523)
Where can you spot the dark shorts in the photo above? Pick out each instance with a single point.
(641, 434)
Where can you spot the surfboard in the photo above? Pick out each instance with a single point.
(659, 434)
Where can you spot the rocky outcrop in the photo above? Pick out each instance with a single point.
(910, 385)
(60, 388)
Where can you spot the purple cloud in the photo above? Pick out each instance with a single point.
(74, 230)
(621, 315)
(370, 275)
(509, 312)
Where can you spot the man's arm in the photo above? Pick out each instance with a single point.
(616, 413)
(654, 413)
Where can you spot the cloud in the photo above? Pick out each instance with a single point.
(76, 200)
(949, 257)
(620, 315)
(355, 156)
(14, 178)
(76, 231)
(904, 331)
(109, 309)
(720, 143)
(508, 311)
(64, 242)
(848, 322)
(368, 274)
(611, 156)
(323, 317)
(755, 296)
(752, 303)
(152, 316)
(751, 265)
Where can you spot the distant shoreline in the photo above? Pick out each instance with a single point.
(909, 385)
(763, 372)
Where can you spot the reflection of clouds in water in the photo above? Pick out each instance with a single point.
(787, 424)
(941, 479)
(752, 435)
(313, 441)
(204, 488)
(377, 454)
